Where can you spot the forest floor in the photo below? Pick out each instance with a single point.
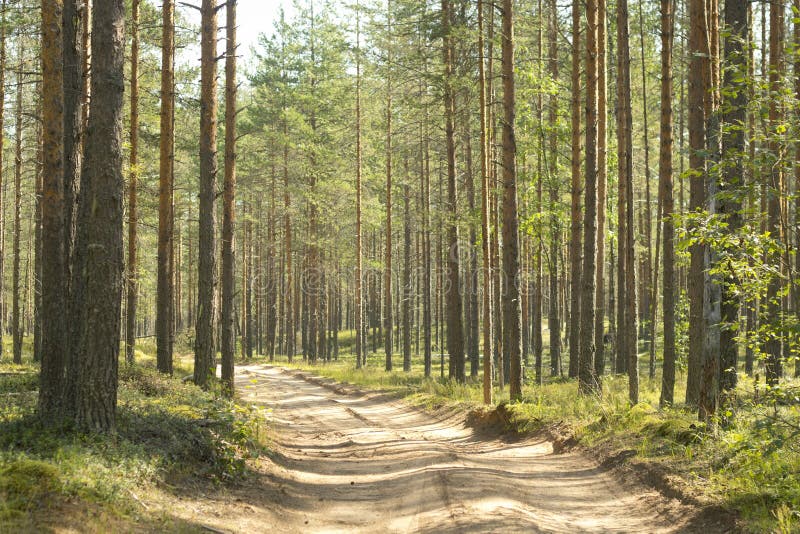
(365, 450)
(346, 460)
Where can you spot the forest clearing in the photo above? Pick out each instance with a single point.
(399, 265)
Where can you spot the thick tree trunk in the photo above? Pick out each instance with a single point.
(204, 357)
(73, 126)
(53, 234)
(165, 192)
(133, 279)
(228, 339)
(102, 176)
(73, 129)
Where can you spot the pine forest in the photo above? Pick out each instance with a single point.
(400, 265)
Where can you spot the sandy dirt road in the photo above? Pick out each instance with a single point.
(345, 462)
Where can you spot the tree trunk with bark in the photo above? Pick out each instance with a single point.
(575, 232)
(165, 191)
(485, 230)
(455, 327)
(73, 136)
(16, 327)
(587, 381)
(102, 176)
(734, 109)
(204, 364)
(628, 351)
(774, 185)
(228, 338)
(667, 204)
(133, 178)
(53, 234)
(511, 271)
(698, 65)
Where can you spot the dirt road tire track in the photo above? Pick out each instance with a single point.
(348, 461)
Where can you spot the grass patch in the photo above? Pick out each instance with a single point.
(168, 431)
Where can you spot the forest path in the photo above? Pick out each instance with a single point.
(362, 462)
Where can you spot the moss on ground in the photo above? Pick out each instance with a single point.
(167, 430)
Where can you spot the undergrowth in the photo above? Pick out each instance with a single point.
(167, 430)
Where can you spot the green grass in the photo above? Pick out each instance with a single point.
(750, 464)
(167, 431)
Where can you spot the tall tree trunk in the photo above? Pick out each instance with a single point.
(587, 381)
(647, 282)
(511, 271)
(471, 287)
(165, 192)
(273, 283)
(204, 357)
(53, 234)
(602, 186)
(485, 230)
(698, 64)
(667, 204)
(37, 329)
(796, 41)
(73, 128)
(628, 328)
(553, 320)
(359, 299)
(388, 324)
(575, 232)
(427, 304)
(455, 327)
(408, 288)
(774, 184)
(102, 225)
(133, 279)
(711, 291)
(289, 308)
(2, 135)
(228, 341)
(734, 118)
(536, 323)
(16, 327)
